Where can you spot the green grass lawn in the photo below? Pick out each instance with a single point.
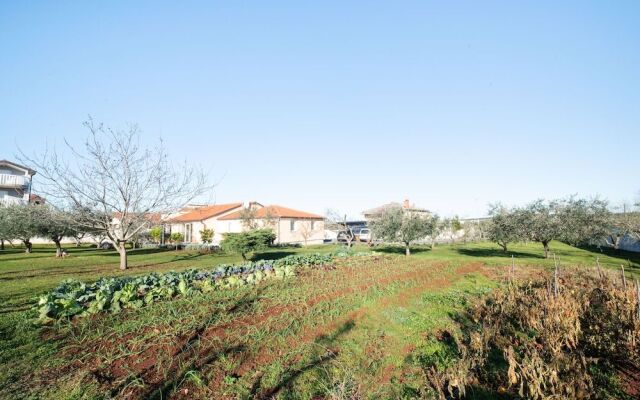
(23, 276)
(356, 329)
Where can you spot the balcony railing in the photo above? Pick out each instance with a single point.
(9, 201)
(7, 180)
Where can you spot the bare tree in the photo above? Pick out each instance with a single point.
(115, 184)
(249, 218)
(334, 221)
(305, 229)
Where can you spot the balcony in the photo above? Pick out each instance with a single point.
(10, 200)
(13, 181)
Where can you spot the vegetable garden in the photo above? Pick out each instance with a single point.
(298, 326)
(114, 294)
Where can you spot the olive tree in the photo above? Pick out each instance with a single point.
(21, 222)
(116, 182)
(55, 225)
(5, 233)
(398, 225)
(583, 219)
(4, 228)
(571, 220)
(505, 225)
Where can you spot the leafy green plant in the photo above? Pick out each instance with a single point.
(74, 298)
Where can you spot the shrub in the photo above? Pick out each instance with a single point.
(155, 233)
(246, 242)
(206, 235)
(202, 247)
(176, 237)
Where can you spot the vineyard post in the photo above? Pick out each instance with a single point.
(638, 297)
(624, 280)
(555, 276)
(513, 267)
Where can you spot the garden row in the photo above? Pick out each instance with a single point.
(75, 298)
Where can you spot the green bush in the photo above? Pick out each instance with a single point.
(247, 242)
(206, 235)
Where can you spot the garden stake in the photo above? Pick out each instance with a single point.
(638, 297)
(513, 267)
(599, 269)
(624, 280)
(555, 277)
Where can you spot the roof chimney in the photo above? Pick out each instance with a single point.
(406, 204)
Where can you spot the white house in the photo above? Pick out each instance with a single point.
(405, 205)
(15, 183)
(289, 225)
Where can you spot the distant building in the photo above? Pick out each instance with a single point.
(289, 225)
(405, 205)
(15, 183)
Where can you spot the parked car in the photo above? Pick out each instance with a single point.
(364, 235)
(106, 245)
(343, 236)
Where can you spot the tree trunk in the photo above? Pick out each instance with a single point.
(244, 256)
(123, 255)
(546, 249)
(616, 242)
(504, 246)
(1, 244)
(433, 243)
(28, 245)
(407, 250)
(58, 247)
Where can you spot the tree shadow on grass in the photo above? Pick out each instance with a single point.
(496, 253)
(198, 361)
(326, 353)
(401, 250)
(271, 255)
(629, 257)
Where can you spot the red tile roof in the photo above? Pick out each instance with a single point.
(202, 213)
(276, 211)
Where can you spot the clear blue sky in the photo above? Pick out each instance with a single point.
(340, 104)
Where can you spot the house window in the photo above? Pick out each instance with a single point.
(312, 224)
(292, 225)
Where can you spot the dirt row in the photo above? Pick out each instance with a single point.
(156, 369)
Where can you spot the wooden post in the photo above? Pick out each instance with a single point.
(599, 268)
(638, 297)
(555, 276)
(513, 267)
(624, 280)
